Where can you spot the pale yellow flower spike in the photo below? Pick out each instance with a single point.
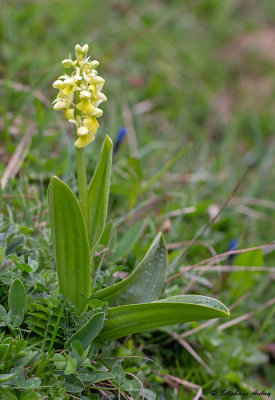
(84, 87)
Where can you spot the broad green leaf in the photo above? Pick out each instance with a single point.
(70, 367)
(16, 317)
(31, 383)
(20, 263)
(60, 361)
(119, 374)
(89, 376)
(3, 312)
(70, 243)
(98, 195)
(133, 318)
(88, 332)
(17, 296)
(131, 386)
(73, 384)
(17, 302)
(7, 377)
(77, 347)
(145, 283)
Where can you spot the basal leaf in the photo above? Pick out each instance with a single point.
(145, 282)
(70, 243)
(88, 332)
(133, 318)
(98, 194)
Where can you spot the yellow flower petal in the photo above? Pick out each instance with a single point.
(82, 131)
(58, 84)
(60, 105)
(69, 89)
(85, 94)
(93, 89)
(93, 64)
(83, 141)
(85, 106)
(67, 63)
(97, 113)
(92, 124)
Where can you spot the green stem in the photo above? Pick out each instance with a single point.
(82, 184)
(81, 176)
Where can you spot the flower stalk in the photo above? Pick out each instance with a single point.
(82, 183)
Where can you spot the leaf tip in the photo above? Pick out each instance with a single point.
(108, 141)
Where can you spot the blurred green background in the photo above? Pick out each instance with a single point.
(193, 75)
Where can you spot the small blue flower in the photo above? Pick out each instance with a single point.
(233, 245)
(122, 132)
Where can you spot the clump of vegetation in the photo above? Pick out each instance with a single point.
(66, 330)
(190, 97)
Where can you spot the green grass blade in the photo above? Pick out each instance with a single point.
(164, 169)
(98, 194)
(70, 243)
(145, 282)
(134, 318)
(126, 244)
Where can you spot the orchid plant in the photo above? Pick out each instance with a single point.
(77, 226)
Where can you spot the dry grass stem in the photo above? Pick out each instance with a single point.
(18, 157)
(220, 257)
(20, 87)
(231, 268)
(213, 219)
(129, 123)
(212, 321)
(246, 316)
(191, 351)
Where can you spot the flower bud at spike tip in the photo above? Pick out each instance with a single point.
(80, 95)
(67, 63)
